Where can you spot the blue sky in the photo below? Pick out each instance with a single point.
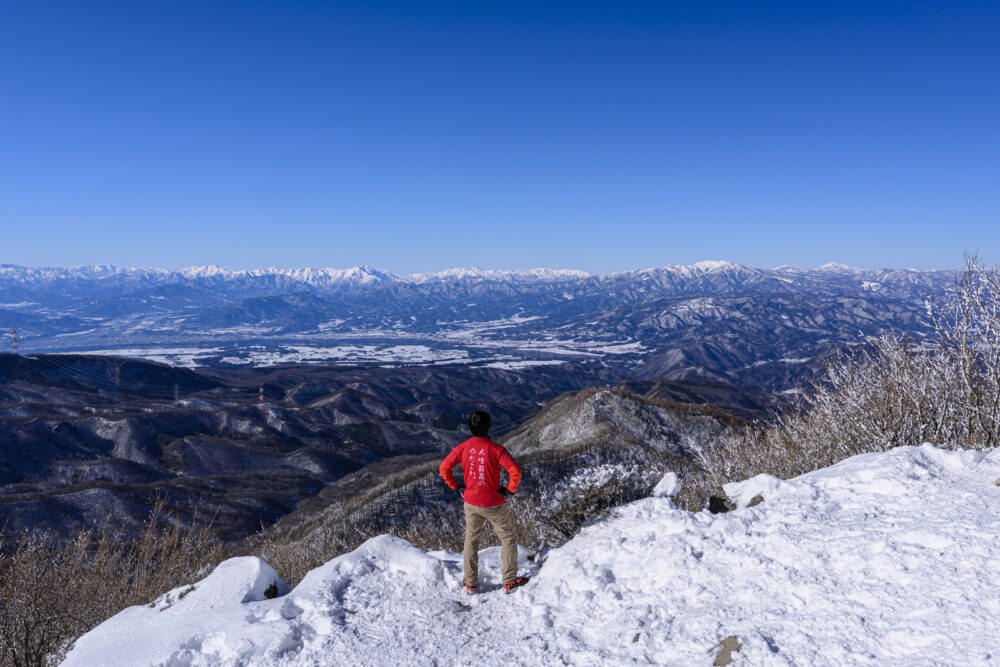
(419, 136)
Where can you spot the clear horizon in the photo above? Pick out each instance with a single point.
(471, 267)
(596, 136)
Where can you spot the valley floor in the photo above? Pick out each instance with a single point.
(889, 558)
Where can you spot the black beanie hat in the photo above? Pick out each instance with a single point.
(479, 423)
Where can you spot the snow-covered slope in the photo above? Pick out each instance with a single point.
(886, 558)
(616, 418)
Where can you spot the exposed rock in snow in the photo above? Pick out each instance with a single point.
(727, 647)
(742, 493)
(720, 505)
(888, 558)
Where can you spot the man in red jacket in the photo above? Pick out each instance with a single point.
(481, 460)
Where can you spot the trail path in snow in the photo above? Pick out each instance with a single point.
(890, 558)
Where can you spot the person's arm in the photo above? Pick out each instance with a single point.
(510, 465)
(450, 461)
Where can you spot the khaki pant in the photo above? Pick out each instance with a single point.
(503, 525)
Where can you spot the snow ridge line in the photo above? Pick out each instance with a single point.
(884, 558)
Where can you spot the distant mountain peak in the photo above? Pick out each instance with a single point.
(207, 271)
(106, 275)
(716, 265)
(475, 273)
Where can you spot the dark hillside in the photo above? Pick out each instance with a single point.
(88, 439)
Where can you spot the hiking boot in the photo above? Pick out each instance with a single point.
(469, 590)
(510, 586)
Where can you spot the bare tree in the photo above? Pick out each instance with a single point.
(968, 325)
(891, 392)
(50, 594)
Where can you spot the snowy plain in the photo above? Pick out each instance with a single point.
(883, 559)
(488, 352)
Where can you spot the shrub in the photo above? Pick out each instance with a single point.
(50, 594)
(968, 328)
(888, 393)
(567, 505)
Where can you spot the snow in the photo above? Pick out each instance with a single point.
(356, 275)
(526, 363)
(474, 273)
(208, 271)
(304, 354)
(888, 558)
(667, 486)
(742, 493)
(188, 357)
(837, 266)
(714, 265)
(696, 305)
(369, 276)
(197, 612)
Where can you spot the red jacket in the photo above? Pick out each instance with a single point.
(481, 459)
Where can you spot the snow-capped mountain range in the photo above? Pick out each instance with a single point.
(710, 319)
(318, 278)
(31, 277)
